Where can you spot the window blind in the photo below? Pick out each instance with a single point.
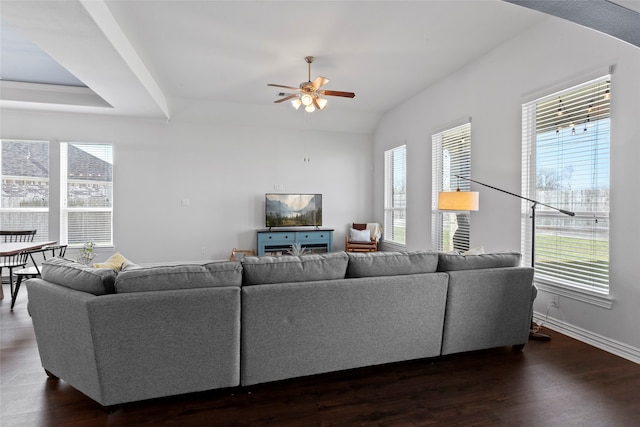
(395, 196)
(87, 192)
(451, 156)
(24, 170)
(565, 153)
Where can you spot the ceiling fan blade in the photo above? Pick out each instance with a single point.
(286, 87)
(319, 82)
(337, 93)
(286, 98)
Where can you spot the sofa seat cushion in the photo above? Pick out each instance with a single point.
(391, 263)
(288, 269)
(454, 262)
(189, 276)
(71, 274)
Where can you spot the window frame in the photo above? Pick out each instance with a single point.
(66, 211)
(563, 125)
(440, 182)
(42, 235)
(395, 208)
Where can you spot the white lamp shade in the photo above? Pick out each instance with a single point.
(310, 108)
(322, 103)
(306, 99)
(459, 201)
(296, 103)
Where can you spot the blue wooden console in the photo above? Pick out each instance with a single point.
(279, 242)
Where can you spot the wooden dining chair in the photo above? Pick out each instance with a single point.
(17, 260)
(13, 262)
(36, 269)
(9, 236)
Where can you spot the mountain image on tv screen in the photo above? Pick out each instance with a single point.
(293, 210)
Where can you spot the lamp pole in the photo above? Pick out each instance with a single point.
(534, 204)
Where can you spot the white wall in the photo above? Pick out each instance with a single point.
(223, 170)
(491, 91)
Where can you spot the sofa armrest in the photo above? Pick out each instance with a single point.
(63, 334)
(488, 308)
(125, 347)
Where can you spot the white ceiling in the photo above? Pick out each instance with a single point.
(158, 58)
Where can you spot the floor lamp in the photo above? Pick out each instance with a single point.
(459, 200)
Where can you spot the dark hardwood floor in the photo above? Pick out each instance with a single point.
(558, 383)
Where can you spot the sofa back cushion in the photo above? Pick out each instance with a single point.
(71, 274)
(453, 262)
(288, 269)
(189, 276)
(371, 264)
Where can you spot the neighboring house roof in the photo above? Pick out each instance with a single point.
(30, 159)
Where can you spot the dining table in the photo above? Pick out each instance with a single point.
(14, 248)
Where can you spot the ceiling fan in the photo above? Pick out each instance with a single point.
(309, 93)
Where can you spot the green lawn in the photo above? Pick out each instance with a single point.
(580, 261)
(399, 234)
(572, 249)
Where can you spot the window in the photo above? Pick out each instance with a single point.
(86, 172)
(24, 169)
(565, 159)
(395, 196)
(451, 156)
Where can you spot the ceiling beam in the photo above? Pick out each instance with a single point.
(103, 18)
(600, 15)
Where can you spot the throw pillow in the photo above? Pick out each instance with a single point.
(474, 251)
(115, 261)
(128, 265)
(359, 235)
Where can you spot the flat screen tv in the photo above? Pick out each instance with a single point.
(293, 210)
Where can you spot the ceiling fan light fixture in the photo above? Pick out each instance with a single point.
(308, 93)
(306, 99)
(322, 103)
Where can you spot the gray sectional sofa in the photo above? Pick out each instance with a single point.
(144, 333)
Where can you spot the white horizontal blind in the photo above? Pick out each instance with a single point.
(565, 152)
(451, 156)
(24, 170)
(87, 194)
(395, 195)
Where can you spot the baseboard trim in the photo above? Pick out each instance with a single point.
(607, 344)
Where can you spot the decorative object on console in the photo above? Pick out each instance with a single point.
(309, 92)
(296, 249)
(363, 237)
